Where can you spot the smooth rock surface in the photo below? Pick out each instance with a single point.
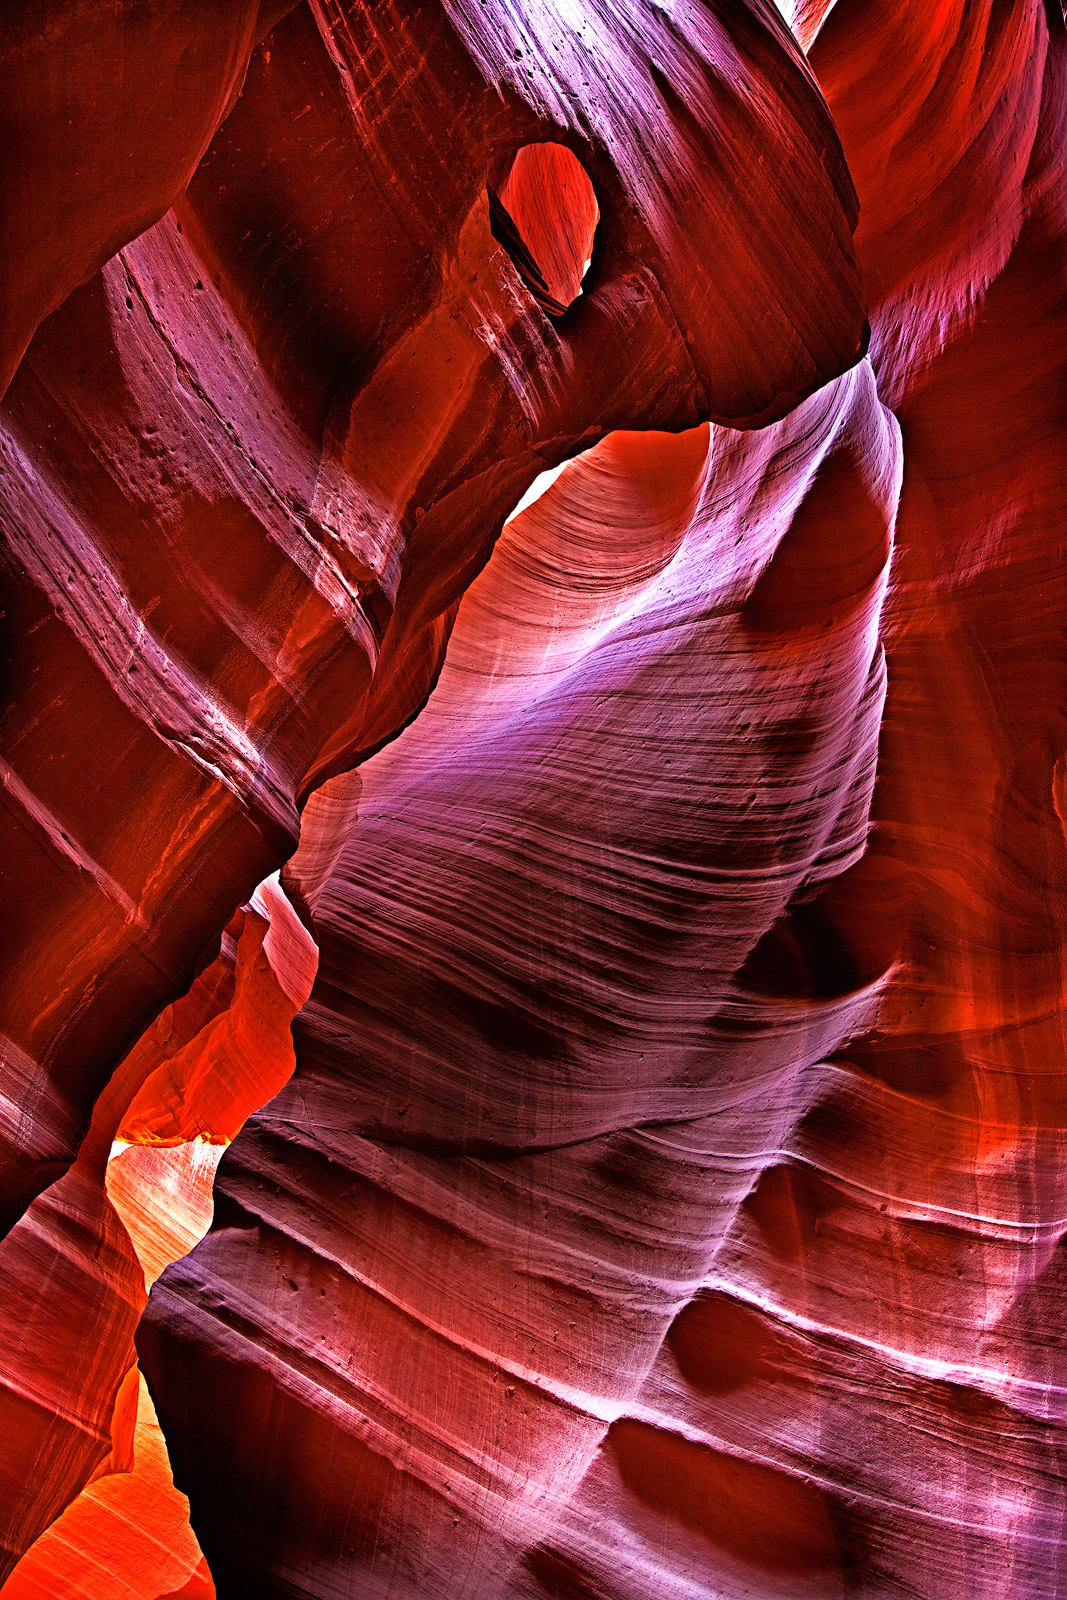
(661, 1188)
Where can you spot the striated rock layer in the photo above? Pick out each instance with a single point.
(533, 948)
(238, 522)
(251, 465)
(668, 1196)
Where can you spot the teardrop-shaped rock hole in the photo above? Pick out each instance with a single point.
(545, 215)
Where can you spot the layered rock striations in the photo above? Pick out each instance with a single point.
(253, 463)
(667, 1194)
(536, 1078)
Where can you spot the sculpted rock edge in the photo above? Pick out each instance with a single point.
(662, 1189)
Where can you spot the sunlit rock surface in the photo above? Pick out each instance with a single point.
(661, 1188)
(252, 464)
(75, 1269)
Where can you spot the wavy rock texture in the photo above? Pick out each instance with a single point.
(668, 1196)
(532, 949)
(237, 524)
(251, 465)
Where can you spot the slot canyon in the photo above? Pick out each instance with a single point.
(533, 1056)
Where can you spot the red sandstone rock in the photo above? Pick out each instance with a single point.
(126, 1537)
(75, 1269)
(533, 947)
(109, 109)
(883, 1327)
(238, 521)
(668, 1196)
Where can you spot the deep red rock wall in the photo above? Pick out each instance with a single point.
(238, 518)
(667, 1197)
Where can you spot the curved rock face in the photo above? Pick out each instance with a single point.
(75, 1268)
(253, 463)
(533, 948)
(668, 1196)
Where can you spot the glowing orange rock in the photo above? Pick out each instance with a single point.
(126, 1536)
(97, 1240)
(206, 1087)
